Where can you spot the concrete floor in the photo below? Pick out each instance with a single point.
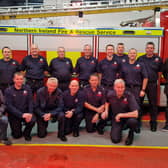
(145, 138)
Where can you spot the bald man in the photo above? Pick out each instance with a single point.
(61, 68)
(35, 67)
(73, 99)
(86, 66)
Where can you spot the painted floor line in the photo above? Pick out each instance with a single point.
(99, 146)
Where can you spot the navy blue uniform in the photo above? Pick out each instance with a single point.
(7, 70)
(153, 66)
(85, 67)
(74, 103)
(110, 71)
(35, 68)
(125, 104)
(121, 59)
(3, 119)
(95, 99)
(19, 102)
(165, 74)
(61, 69)
(133, 74)
(53, 104)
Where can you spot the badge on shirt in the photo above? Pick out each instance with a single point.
(13, 63)
(99, 93)
(123, 60)
(92, 62)
(25, 92)
(76, 100)
(137, 66)
(67, 62)
(125, 101)
(115, 63)
(156, 59)
(41, 60)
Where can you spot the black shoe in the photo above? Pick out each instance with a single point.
(100, 131)
(27, 138)
(153, 126)
(165, 128)
(138, 130)
(17, 137)
(6, 141)
(130, 138)
(76, 133)
(62, 138)
(67, 132)
(42, 136)
(91, 130)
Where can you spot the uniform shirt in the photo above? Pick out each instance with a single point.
(46, 103)
(165, 70)
(153, 66)
(34, 67)
(133, 74)
(19, 101)
(110, 70)
(2, 104)
(61, 69)
(86, 67)
(96, 98)
(7, 70)
(165, 74)
(75, 102)
(121, 59)
(125, 104)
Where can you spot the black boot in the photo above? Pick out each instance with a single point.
(75, 133)
(62, 137)
(138, 129)
(100, 131)
(130, 138)
(153, 126)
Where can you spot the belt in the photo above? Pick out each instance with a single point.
(131, 86)
(4, 84)
(152, 81)
(105, 84)
(34, 79)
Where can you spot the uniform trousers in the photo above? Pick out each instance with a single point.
(83, 83)
(135, 90)
(3, 127)
(34, 84)
(151, 91)
(91, 127)
(16, 126)
(117, 127)
(63, 85)
(42, 125)
(72, 124)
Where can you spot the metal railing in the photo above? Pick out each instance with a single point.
(80, 5)
(83, 4)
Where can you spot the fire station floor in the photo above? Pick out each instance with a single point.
(145, 138)
(150, 149)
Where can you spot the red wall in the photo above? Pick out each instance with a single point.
(20, 54)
